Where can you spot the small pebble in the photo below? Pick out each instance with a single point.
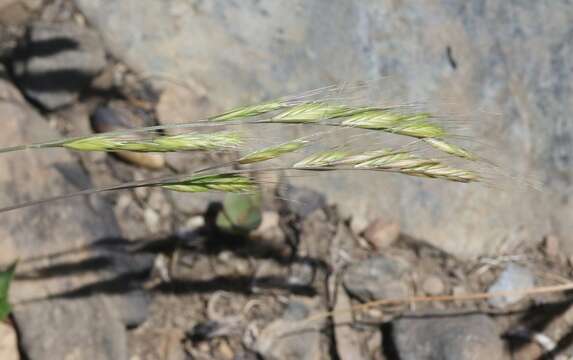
(302, 273)
(514, 278)
(358, 224)
(381, 233)
(106, 119)
(204, 347)
(375, 313)
(225, 350)
(379, 277)
(195, 222)
(529, 350)
(161, 268)
(156, 199)
(8, 342)
(459, 290)
(269, 223)
(433, 285)
(242, 266)
(568, 315)
(150, 161)
(551, 245)
(151, 219)
(141, 193)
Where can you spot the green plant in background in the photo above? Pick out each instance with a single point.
(241, 213)
(5, 281)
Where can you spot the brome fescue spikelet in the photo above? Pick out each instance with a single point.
(451, 149)
(273, 152)
(361, 157)
(226, 182)
(387, 160)
(442, 171)
(415, 125)
(321, 160)
(409, 164)
(395, 160)
(223, 140)
(249, 111)
(315, 112)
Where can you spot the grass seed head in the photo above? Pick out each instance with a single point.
(226, 182)
(314, 112)
(409, 164)
(248, 111)
(92, 143)
(222, 140)
(304, 113)
(362, 157)
(394, 160)
(451, 149)
(415, 125)
(379, 119)
(442, 171)
(272, 152)
(322, 159)
(419, 129)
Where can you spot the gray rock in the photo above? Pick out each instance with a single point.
(379, 277)
(301, 201)
(183, 104)
(18, 12)
(285, 338)
(8, 342)
(56, 61)
(132, 308)
(55, 317)
(469, 337)
(79, 329)
(347, 339)
(467, 52)
(433, 285)
(513, 278)
(109, 118)
(381, 233)
(194, 204)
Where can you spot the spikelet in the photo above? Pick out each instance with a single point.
(226, 182)
(394, 160)
(321, 160)
(445, 172)
(273, 152)
(315, 111)
(222, 140)
(451, 149)
(415, 125)
(249, 111)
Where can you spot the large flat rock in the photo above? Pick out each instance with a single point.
(512, 59)
(54, 317)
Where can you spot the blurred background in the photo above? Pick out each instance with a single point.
(96, 279)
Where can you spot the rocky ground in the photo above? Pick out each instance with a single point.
(145, 274)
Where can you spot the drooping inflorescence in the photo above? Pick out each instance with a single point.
(423, 127)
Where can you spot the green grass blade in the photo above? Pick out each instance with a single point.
(6, 277)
